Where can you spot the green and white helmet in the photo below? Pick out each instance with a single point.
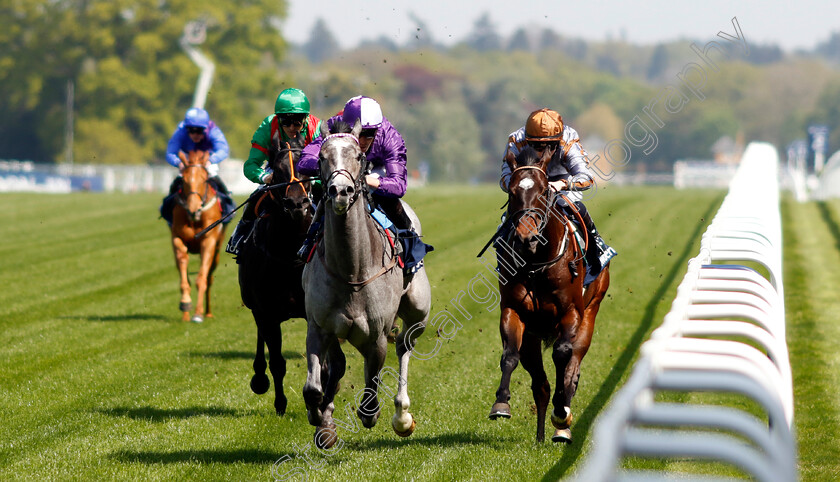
(291, 101)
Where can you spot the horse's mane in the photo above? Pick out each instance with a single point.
(527, 157)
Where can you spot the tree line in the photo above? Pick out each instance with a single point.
(455, 105)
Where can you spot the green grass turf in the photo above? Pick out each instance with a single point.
(100, 380)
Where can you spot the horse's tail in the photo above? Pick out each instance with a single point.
(260, 382)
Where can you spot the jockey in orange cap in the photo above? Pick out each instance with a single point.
(543, 130)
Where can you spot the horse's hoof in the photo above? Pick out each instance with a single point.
(499, 410)
(408, 431)
(185, 306)
(563, 435)
(280, 406)
(197, 319)
(562, 423)
(325, 437)
(260, 383)
(368, 421)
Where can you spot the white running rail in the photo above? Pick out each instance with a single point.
(725, 333)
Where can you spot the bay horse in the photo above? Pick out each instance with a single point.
(543, 300)
(196, 208)
(355, 291)
(269, 269)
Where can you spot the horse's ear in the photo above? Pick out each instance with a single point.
(183, 157)
(275, 138)
(324, 130)
(357, 128)
(510, 159)
(546, 157)
(205, 157)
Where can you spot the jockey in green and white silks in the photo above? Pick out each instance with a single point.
(545, 129)
(292, 121)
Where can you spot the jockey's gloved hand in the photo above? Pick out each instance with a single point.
(561, 185)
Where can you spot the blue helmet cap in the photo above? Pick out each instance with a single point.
(197, 117)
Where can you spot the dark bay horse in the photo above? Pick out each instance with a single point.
(269, 270)
(543, 300)
(196, 208)
(355, 291)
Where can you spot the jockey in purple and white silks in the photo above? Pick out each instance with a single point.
(384, 149)
(382, 144)
(543, 130)
(197, 133)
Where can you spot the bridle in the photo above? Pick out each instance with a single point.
(185, 195)
(293, 179)
(358, 183)
(543, 215)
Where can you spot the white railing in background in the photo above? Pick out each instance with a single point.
(725, 333)
(27, 176)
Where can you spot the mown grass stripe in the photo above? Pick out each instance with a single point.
(812, 274)
(101, 381)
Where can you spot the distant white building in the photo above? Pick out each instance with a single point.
(702, 174)
(828, 184)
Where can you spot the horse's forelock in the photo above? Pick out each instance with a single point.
(341, 127)
(528, 157)
(278, 156)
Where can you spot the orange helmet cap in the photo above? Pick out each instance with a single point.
(544, 125)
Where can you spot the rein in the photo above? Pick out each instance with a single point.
(259, 192)
(383, 270)
(358, 185)
(359, 284)
(293, 179)
(542, 265)
(544, 214)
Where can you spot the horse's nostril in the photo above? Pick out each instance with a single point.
(288, 203)
(350, 190)
(332, 191)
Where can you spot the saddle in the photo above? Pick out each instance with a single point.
(595, 258)
(408, 247)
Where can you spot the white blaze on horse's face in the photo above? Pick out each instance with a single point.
(340, 163)
(526, 184)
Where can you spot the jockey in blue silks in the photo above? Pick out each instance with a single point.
(198, 132)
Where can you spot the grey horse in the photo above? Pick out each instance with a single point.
(355, 291)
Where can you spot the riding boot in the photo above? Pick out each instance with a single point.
(176, 185)
(168, 202)
(394, 210)
(312, 233)
(228, 205)
(598, 252)
(241, 231)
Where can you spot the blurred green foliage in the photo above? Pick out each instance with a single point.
(454, 105)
